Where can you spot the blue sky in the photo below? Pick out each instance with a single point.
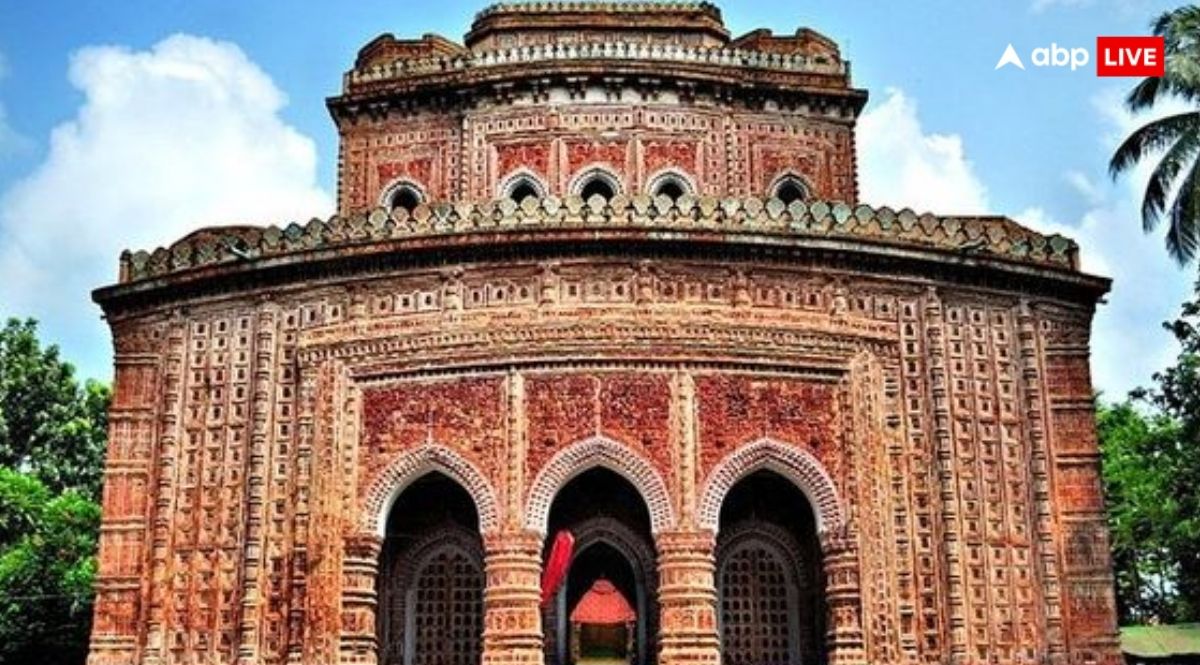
(127, 123)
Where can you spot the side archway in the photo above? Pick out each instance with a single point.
(598, 451)
(794, 463)
(416, 463)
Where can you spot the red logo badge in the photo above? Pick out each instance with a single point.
(1129, 56)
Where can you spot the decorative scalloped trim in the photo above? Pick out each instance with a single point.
(795, 464)
(413, 464)
(598, 451)
(576, 6)
(517, 177)
(668, 174)
(995, 236)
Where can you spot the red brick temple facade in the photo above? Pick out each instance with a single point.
(600, 269)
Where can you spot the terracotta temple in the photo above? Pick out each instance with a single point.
(601, 269)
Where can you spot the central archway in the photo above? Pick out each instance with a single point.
(611, 527)
(602, 452)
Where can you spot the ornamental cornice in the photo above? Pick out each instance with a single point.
(607, 7)
(466, 61)
(661, 337)
(707, 218)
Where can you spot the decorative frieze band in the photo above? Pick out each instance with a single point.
(621, 51)
(987, 236)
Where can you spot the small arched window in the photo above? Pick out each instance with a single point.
(671, 185)
(523, 191)
(596, 187)
(669, 189)
(405, 196)
(524, 188)
(790, 189)
(522, 185)
(597, 182)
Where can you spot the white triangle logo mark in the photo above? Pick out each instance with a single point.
(1010, 57)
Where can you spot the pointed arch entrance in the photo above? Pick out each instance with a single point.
(769, 503)
(611, 525)
(770, 586)
(431, 576)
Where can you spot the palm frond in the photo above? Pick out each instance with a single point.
(1181, 78)
(1163, 177)
(1174, 24)
(1151, 138)
(1144, 94)
(1183, 235)
(1180, 30)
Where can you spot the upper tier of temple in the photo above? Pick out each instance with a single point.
(588, 124)
(680, 42)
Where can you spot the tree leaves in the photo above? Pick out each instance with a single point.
(46, 575)
(1178, 135)
(52, 438)
(1151, 463)
(50, 426)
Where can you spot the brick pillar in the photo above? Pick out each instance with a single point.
(843, 597)
(687, 599)
(359, 643)
(512, 624)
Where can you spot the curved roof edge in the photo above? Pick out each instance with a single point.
(980, 237)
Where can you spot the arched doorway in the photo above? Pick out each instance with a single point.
(431, 577)
(769, 582)
(611, 526)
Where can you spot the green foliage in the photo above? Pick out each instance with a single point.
(1151, 458)
(21, 500)
(50, 426)
(1140, 512)
(52, 439)
(46, 572)
(1173, 190)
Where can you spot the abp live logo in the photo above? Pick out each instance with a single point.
(1130, 56)
(1115, 56)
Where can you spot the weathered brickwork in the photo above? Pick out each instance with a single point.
(719, 153)
(922, 381)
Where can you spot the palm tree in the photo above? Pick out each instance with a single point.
(1177, 137)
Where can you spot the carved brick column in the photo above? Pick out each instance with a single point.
(512, 624)
(687, 598)
(843, 597)
(360, 567)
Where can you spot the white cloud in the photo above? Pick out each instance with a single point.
(1137, 10)
(901, 165)
(167, 140)
(1091, 192)
(1128, 344)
